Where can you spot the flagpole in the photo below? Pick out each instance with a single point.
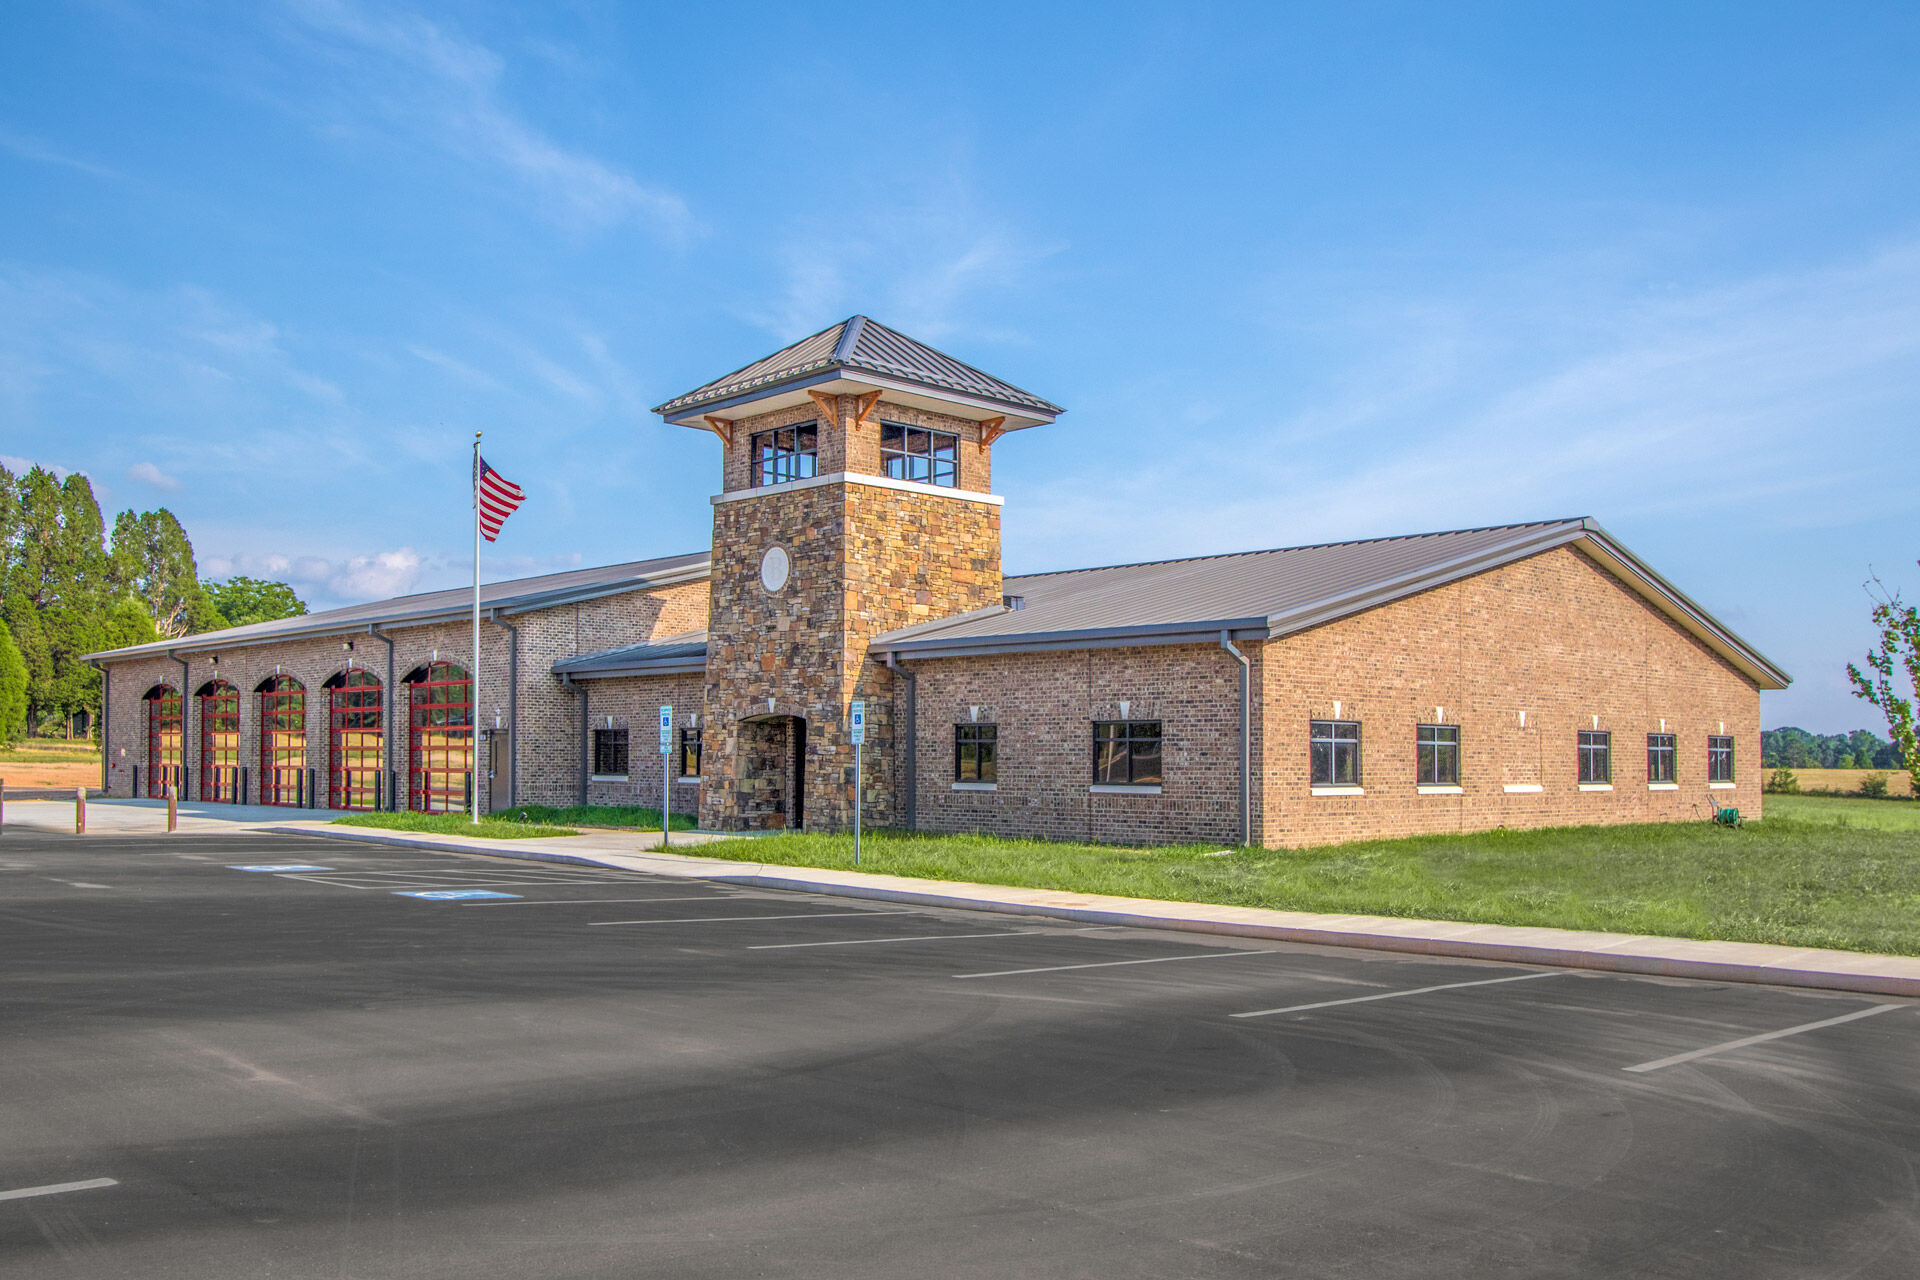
(473, 676)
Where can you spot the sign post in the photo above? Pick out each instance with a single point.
(666, 773)
(859, 741)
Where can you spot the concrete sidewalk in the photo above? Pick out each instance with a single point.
(639, 851)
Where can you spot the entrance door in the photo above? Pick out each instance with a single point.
(497, 745)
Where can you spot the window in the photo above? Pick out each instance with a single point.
(689, 753)
(1439, 751)
(976, 753)
(908, 453)
(1334, 746)
(790, 453)
(1596, 756)
(1719, 758)
(1659, 757)
(609, 753)
(1126, 753)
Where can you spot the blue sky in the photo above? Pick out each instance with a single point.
(1298, 272)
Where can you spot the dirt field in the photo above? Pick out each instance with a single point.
(1898, 783)
(50, 775)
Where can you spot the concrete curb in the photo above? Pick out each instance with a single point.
(1555, 948)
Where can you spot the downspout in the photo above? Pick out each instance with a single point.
(386, 732)
(586, 734)
(513, 705)
(912, 734)
(1246, 739)
(106, 721)
(186, 714)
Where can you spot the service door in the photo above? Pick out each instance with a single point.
(498, 762)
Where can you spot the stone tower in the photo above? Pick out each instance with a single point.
(856, 499)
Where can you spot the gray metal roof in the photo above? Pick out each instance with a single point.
(859, 345)
(518, 595)
(684, 652)
(1265, 594)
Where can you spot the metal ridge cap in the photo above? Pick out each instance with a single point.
(1207, 629)
(1315, 612)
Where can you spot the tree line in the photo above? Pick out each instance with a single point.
(1791, 748)
(68, 589)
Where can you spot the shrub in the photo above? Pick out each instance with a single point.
(1874, 786)
(1783, 781)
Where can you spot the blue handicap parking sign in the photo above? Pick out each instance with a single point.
(452, 895)
(282, 866)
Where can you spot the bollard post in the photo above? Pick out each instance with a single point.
(79, 811)
(173, 807)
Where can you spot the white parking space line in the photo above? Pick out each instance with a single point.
(804, 915)
(1114, 964)
(575, 902)
(869, 942)
(1395, 995)
(58, 1188)
(1744, 1041)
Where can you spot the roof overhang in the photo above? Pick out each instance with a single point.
(644, 667)
(838, 381)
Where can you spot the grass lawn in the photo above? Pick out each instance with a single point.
(1817, 872)
(452, 824)
(33, 751)
(620, 817)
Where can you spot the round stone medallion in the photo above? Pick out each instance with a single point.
(774, 568)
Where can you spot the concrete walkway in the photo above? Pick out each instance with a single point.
(639, 851)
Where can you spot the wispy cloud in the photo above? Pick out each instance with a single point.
(415, 78)
(147, 473)
(30, 148)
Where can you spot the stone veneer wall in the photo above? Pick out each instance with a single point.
(549, 714)
(865, 560)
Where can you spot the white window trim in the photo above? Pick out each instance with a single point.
(1433, 789)
(1337, 791)
(1722, 786)
(1596, 786)
(1663, 786)
(1523, 788)
(1124, 789)
(976, 786)
(848, 477)
(610, 777)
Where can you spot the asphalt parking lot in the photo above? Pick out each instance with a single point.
(208, 1071)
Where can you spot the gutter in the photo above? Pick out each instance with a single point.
(386, 732)
(513, 706)
(912, 735)
(1246, 739)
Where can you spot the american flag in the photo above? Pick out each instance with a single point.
(499, 498)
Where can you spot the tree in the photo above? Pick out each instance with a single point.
(13, 689)
(153, 559)
(243, 601)
(1899, 652)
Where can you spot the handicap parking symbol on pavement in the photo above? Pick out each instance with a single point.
(283, 866)
(452, 895)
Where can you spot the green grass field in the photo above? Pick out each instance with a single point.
(1817, 872)
(50, 751)
(618, 817)
(452, 824)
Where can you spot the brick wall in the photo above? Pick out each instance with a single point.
(633, 703)
(548, 713)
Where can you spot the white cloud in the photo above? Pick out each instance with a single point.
(147, 473)
(45, 153)
(428, 83)
(20, 466)
(317, 579)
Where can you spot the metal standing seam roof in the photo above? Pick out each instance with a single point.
(517, 595)
(1266, 594)
(859, 345)
(684, 652)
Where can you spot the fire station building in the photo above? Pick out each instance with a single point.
(1517, 675)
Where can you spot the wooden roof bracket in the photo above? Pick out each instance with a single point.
(868, 399)
(722, 427)
(829, 405)
(992, 429)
